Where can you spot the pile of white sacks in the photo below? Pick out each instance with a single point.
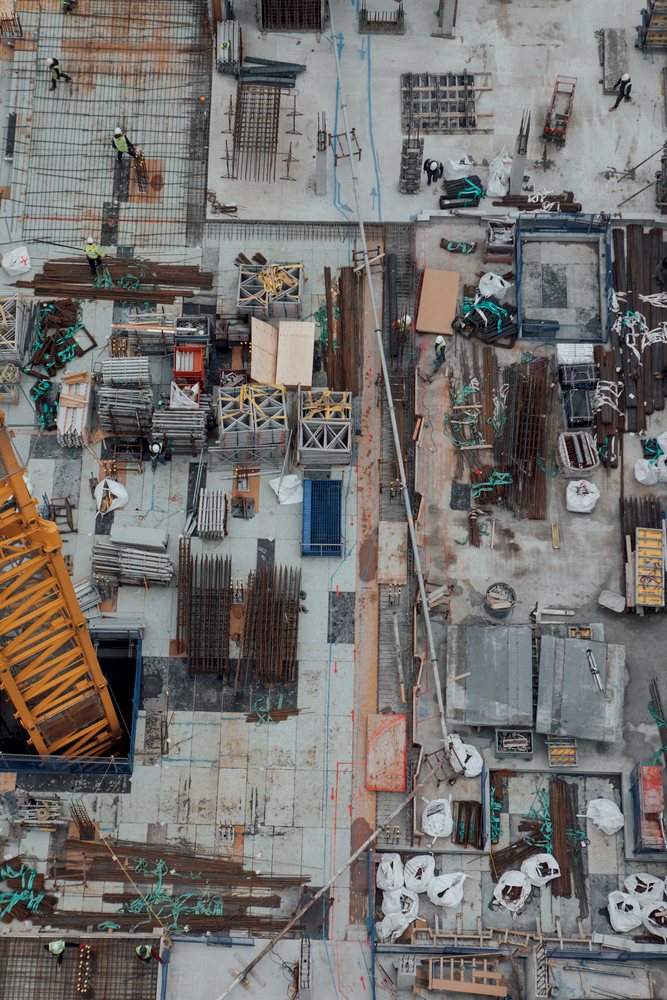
(402, 884)
(514, 887)
(643, 902)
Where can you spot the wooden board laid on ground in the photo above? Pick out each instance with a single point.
(296, 348)
(393, 553)
(437, 301)
(386, 753)
(264, 339)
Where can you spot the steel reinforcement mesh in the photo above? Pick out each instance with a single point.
(144, 66)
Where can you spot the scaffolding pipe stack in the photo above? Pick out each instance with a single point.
(185, 429)
(131, 565)
(125, 411)
(212, 514)
(126, 373)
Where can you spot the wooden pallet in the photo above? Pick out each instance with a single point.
(649, 568)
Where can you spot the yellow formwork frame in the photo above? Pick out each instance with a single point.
(48, 665)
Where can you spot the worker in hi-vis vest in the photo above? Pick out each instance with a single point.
(94, 255)
(122, 144)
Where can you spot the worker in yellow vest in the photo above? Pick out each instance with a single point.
(94, 254)
(122, 144)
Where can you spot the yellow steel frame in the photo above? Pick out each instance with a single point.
(48, 665)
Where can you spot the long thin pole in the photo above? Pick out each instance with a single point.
(411, 529)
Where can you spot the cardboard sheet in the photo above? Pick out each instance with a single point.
(437, 301)
(264, 339)
(296, 347)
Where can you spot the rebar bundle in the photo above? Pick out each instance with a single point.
(130, 564)
(203, 610)
(522, 446)
(271, 627)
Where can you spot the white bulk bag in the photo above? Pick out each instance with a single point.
(109, 487)
(646, 889)
(457, 169)
(649, 920)
(418, 872)
(493, 286)
(512, 891)
(625, 913)
(392, 927)
(606, 815)
(581, 497)
(16, 261)
(401, 901)
(390, 872)
(463, 757)
(661, 466)
(540, 869)
(437, 818)
(645, 473)
(500, 169)
(446, 890)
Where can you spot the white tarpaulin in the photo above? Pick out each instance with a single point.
(446, 890)
(418, 872)
(625, 913)
(437, 818)
(493, 286)
(512, 891)
(291, 489)
(606, 815)
(110, 495)
(540, 869)
(390, 872)
(182, 400)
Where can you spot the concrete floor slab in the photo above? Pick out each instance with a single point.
(282, 744)
(279, 810)
(310, 786)
(231, 796)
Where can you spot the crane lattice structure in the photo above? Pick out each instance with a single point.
(48, 666)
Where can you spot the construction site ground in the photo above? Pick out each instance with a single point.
(294, 792)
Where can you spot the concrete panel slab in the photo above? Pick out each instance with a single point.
(309, 790)
(234, 742)
(231, 798)
(282, 743)
(279, 797)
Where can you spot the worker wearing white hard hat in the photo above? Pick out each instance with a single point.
(122, 144)
(624, 85)
(433, 170)
(440, 351)
(94, 254)
(56, 72)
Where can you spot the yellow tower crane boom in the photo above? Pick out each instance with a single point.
(48, 665)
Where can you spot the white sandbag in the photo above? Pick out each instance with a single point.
(391, 928)
(655, 926)
(645, 473)
(16, 261)
(661, 466)
(446, 890)
(290, 490)
(581, 497)
(390, 872)
(402, 901)
(540, 869)
(437, 818)
(464, 757)
(501, 165)
(110, 488)
(662, 442)
(625, 913)
(457, 169)
(493, 286)
(418, 872)
(500, 169)
(606, 815)
(646, 889)
(512, 891)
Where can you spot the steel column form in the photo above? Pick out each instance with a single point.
(48, 665)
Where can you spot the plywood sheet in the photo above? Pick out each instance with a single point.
(437, 301)
(386, 753)
(296, 347)
(264, 339)
(393, 553)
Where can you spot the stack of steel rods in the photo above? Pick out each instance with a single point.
(203, 610)
(268, 648)
(130, 564)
